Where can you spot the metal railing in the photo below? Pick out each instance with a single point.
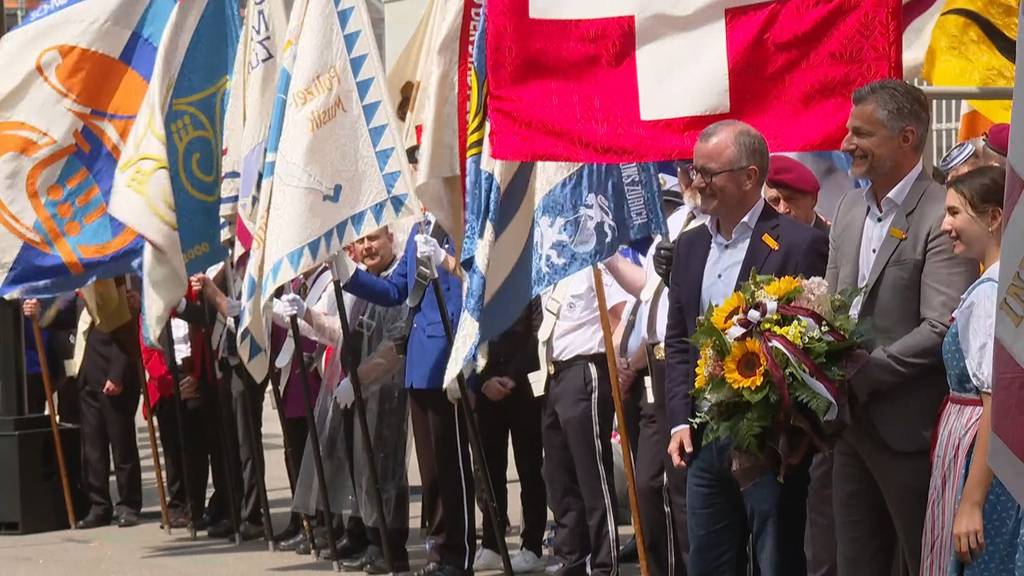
(947, 109)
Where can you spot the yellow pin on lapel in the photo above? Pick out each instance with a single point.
(897, 233)
(769, 241)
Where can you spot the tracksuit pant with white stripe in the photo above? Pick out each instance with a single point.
(577, 429)
(439, 431)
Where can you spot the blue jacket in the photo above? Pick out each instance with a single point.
(427, 351)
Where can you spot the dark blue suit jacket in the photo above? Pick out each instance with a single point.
(427, 351)
(802, 250)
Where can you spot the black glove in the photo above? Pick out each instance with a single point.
(664, 252)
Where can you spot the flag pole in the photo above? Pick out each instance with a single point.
(351, 365)
(480, 468)
(228, 431)
(250, 430)
(165, 516)
(314, 439)
(627, 455)
(151, 430)
(65, 483)
(179, 409)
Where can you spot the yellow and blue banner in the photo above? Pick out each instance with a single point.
(167, 185)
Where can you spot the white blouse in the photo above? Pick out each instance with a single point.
(976, 321)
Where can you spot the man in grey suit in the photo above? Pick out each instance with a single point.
(886, 241)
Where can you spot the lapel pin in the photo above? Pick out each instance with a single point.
(769, 241)
(897, 233)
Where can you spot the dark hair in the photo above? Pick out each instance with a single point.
(751, 147)
(901, 105)
(982, 188)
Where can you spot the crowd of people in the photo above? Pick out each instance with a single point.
(903, 487)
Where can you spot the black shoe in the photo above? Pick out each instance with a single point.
(372, 555)
(292, 544)
(250, 531)
(628, 554)
(305, 549)
(93, 520)
(222, 529)
(207, 520)
(127, 518)
(290, 531)
(446, 570)
(427, 570)
(350, 549)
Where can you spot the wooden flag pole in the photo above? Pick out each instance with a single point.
(161, 490)
(627, 456)
(165, 517)
(54, 427)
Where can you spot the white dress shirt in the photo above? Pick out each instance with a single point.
(722, 269)
(639, 335)
(876, 227)
(577, 332)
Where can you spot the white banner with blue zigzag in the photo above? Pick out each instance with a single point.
(340, 171)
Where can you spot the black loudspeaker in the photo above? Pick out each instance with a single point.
(12, 359)
(31, 496)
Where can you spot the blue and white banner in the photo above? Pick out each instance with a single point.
(335, 165)
(75, 75)
(529, 225)
(167, 185)
(251, 102)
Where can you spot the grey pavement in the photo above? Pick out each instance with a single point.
(148, 550)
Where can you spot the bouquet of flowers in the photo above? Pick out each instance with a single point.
(772, 356)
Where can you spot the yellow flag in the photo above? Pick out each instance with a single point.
(107, 303)
(973, 44)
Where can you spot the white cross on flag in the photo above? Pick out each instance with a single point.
(636, 80)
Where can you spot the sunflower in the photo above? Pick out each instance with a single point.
(782, 287)
(723, 315)
(704, 366)
(744, 368)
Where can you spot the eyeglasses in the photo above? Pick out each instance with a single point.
(707, 176)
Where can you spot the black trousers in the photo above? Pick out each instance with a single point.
(108, 425)
(820, 535)
(196, 451)
(578, 468)
(661, 488)
(247, 408)
(517, 416)
(439, 431)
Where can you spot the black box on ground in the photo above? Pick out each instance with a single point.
(31, 496)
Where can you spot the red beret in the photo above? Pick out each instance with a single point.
(998, 139)
(785, 172)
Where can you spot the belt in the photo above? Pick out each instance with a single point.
(556, 366)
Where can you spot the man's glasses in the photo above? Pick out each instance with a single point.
(707, 176)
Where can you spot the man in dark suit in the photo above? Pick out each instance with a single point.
(743, 233)
(887, 241)
(109, 391)
(438, 428)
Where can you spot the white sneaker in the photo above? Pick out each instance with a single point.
(486, 560)
(525, 561)
(553, 569)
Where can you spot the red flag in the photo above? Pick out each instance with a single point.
(636, 80)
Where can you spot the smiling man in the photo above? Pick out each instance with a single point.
(727, 507)
(886, 240)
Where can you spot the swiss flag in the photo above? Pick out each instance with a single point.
(636, 80)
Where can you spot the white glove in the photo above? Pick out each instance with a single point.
(234, 307)
(453, 392)
(344, 395)
(428, 248)
(292, 305)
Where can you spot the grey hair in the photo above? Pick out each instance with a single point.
(751, 147)
(901, 104)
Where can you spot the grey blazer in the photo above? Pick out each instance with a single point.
(913, 287)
